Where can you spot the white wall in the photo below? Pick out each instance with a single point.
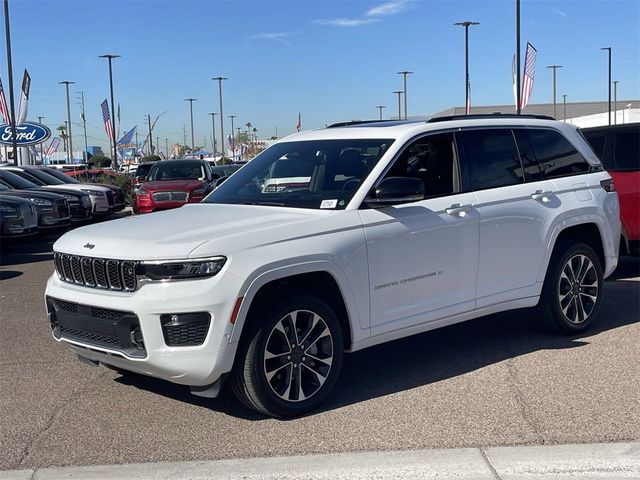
(599, 119)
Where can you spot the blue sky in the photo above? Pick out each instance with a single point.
(329, 60)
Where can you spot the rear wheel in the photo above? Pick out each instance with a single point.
(291, 359)
(572, 291)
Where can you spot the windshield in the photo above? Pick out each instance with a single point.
(59, 175)
(45, 178)
(143, 170)
(14, 180)
(177, 170)
(321, 174)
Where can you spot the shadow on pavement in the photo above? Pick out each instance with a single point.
(437, 355)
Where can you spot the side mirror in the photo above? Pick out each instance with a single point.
(394, 190)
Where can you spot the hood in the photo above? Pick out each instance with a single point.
(78, 187)
(172, 185)
(212, 229)
(33, 193)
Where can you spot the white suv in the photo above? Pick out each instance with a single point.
(393, 229)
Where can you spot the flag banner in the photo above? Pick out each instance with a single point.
(118, 123)
(3, 106)
(527, 78)
(24, 99)
(33, 151)
(127, 137)
(298, 123)
(53, 146)
(107, 119)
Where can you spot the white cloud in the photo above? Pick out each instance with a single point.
(346, 22)
(389, 8)
(559, 12)
(276, 36)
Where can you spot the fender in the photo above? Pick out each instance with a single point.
(358, 321)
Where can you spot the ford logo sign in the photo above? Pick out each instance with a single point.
(28, 133)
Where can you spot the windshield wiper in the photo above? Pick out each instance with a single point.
(272, 204)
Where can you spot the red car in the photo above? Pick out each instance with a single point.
(172, 183)
(618, 146)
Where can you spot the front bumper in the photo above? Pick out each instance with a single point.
(198, 365)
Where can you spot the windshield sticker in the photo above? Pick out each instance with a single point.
(329, 204)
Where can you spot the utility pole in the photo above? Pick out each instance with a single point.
(110, 57)
(564, 107)
(466, 25)
(66, 84)
(380, 108)
(399, 108)
(554, 67)
(150, 136)
(191, 100)
(7, 29)
(615, 101)
(213, 130)
(518, 92)
(84, 127)
(220, 79)
(184, 135)
(404, 73)
(233, 140)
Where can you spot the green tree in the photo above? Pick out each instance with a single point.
(100, 161)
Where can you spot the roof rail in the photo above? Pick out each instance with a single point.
(484, 116)
(386, 122)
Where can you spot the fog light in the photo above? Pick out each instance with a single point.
(136, 338)
(185, 329)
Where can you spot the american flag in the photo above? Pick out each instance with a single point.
(527, 79)
(298, 123)
(107, 119)
(53, 146)
(3, 106)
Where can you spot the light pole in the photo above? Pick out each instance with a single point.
(564, 107)
(220, 79)
(399, 108)
(554, 67)
(110, 58)
(380, 108)
(7, 29)
(608, 49)
(518, 92)
(191, 100)
(42, 143)
(615, 101)
(166, 146)
(150, 136)
(404, 73)
(66, 84)
(466, 24)
(213, 130)
(84, 127)
(233, 140)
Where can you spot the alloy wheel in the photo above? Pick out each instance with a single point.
(578, 288)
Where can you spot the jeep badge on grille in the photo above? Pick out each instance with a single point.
(89, 246)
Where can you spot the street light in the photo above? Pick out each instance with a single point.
(7, 29)
(110, 58)
(608, 49)
(66, 84)
(380, 107)
(233, 140)
(404, 73)
(615, 101)
(213, 130)
(220, 79)
(554, 67)
(466, 25)
(399, 92)
(191, 100)
(564, 107)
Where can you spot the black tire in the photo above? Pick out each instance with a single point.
(264, 352)
(568, 304)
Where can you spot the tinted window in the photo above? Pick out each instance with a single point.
(14, 180)
(627, 151)
(177, 170)
(555, 155)
(491, 158)
(532, 169)
(432, 160)
(597, 142)
(44, 177)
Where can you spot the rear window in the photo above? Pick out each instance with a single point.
(555, 155)
(627, 151)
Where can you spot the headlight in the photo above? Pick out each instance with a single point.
(199, 191)
(142, 191)
(93, 193)
(42, 202)
(178, 269)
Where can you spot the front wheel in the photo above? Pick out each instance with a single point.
(572, 291)
(291, 358)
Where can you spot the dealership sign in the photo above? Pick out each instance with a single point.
(28, 133)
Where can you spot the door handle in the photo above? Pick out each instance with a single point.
(544, 197)
(457, 210)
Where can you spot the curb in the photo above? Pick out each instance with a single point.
(588, 461)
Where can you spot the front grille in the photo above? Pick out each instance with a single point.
(110, 198)
(62, 209)
(170, 196)
(97, 326)
(92, 272)
(29, 215)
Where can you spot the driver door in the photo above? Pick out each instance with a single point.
(423, 255)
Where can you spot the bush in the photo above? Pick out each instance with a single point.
(99, 161)
(123, 181)
(150, 158)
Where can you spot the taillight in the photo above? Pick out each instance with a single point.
(608, 185)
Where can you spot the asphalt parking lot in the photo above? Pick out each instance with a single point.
(494, 381)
